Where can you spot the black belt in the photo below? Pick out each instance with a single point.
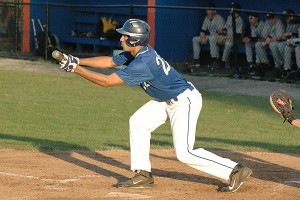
(171, 101)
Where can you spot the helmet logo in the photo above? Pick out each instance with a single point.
(134, 24)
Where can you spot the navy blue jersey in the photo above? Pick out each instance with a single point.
(160, 80)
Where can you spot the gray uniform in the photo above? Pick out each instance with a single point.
(288, 49)
(211, 26)
(297, 51)
(240, 27)
(261, 57)
(275, 30)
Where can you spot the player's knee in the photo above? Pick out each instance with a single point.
(272, 45)
(195, 40)
(133, 119)
(228, 44)
(213, 39)
(183, 157)
(136, 121)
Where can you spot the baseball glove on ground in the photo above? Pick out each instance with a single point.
(282, 103)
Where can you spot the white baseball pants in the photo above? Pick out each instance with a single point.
(214, 48)
(183, 115)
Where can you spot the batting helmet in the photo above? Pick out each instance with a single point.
(138, 32)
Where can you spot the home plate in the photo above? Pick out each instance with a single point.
(126, 195)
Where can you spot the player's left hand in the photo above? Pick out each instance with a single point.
(70, 64)
(282, 103)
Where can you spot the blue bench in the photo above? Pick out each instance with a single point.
(86, 21)
(96, 43)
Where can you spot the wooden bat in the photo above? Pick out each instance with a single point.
(57, 55)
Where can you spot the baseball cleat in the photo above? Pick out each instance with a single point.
(142, 179)
(237, 177)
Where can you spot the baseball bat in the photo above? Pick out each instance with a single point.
(57, 55)
(36, 43)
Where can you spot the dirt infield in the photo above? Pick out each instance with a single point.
(34, 175)
(92, 175)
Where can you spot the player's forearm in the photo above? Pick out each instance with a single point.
(98, 62)
(296, 123)
(97, 78)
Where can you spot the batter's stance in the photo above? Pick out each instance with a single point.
(173, 98)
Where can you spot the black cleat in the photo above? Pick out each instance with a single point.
(142, 179)
(237, 177)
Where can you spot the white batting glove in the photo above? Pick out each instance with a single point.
(70, 64)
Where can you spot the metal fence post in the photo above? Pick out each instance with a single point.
(234, 40)
(16, 26)
(47, 30)
(131, 11)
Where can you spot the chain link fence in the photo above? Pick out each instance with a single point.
(235, 40)
(10, 26)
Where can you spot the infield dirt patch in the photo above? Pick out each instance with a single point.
(92, 175)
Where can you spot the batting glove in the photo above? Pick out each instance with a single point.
(70, 64)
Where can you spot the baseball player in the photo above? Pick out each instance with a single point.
(211, 24)
(295, 42)
(297, 52)
(290, 32)
(272, 33)
(173, 98)
(256, 28)
(226, 34)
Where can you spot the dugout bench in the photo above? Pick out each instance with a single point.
(85, 21)
(96, 43)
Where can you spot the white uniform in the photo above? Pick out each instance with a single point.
(297, 50)
(228, 44)
(174, 99)
(261, 57)
(210, 26)
(275, 30)
(289, 49)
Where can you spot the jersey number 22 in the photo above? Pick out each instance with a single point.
(165, 65)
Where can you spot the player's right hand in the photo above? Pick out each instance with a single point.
(70, 64)
(204, 40)
(246, 40)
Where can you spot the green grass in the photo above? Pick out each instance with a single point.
(44, 111)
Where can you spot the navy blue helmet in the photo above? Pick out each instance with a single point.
(138, 32)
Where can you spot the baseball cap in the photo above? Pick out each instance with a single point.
(235, 5)
(270, 14)
(288, 11)
(253, 14)
(211, 6)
